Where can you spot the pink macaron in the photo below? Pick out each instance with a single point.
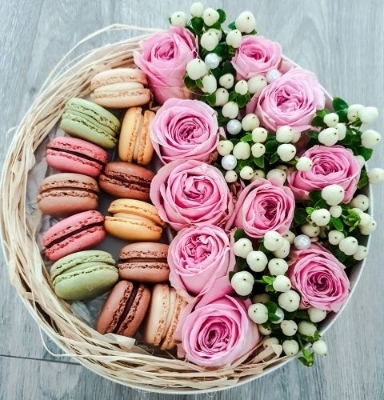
(68, 154)
(78, 232)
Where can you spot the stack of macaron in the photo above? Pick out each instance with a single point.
(87, 172)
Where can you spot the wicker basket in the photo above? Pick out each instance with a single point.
(111, 356)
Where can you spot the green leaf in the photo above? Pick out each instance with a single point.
(209, 99)
(322, 113)
(259, 161)
(271, 307)
(222, 15)
(232, 26)
(339, 104)
(199, 83)
(313, 135)
(271, 146)
(300, 216)
(337, 224)
(239, 233)
(268, 279)
(366, 153)
(228, 68)
(342, 115)
(246, 138)
(189, 83)
(309, 210)
(232, 96)
(230, 275)
(274, 158)
(216, 25)
(221, 50)
(363, 181)
(197, 24)
(318, 121)
(242, 100)
(315, 195)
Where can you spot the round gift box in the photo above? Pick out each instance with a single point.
(111, 356)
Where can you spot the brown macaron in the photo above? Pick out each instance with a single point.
(134, 143)
(67, 193)
(163, 316)
(126, 180)
(144, 262)
(124, 309)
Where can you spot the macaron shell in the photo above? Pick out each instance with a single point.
(144, 262)
(143, 151)
(132, 228)
(68, 154)
(118, 75)
(75, 233)
(80, 257)
(121, 179)
(130, 129)
(67, 193)
(86, 283)
(155, 322)
(121, 96)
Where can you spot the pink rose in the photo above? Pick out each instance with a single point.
(191, 193)
(184, 130)
(263, 206)
(163, 58)
(256, 55)
(319, 278)
(216, 331)
(290, 100)
(197, 257)
(330, 165)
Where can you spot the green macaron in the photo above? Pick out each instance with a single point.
(83, 275)
(91, 122)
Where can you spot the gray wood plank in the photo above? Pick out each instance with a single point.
(342, 43)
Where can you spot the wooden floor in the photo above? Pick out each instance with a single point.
(343, 43)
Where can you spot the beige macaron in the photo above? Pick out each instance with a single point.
(120, 88)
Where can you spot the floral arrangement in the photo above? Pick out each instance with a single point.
(263, 184)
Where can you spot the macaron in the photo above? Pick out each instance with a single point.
(134, 220)
(163, 316)
(69, 154)
(78, 232)
(89, 121)
(144, 262)
(120, 88)
(135, 144)
(124, 309)
(127, 180)
(67, 193)
(83, 275)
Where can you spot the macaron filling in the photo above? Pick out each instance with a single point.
(51, 151)
(126, 310)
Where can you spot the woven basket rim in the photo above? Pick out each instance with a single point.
(27, 272)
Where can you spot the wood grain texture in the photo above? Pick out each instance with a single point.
(342, 42)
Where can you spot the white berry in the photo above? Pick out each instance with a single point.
(348, 245)
(283, 251)
(310, 230)
(365, 219)
(307, 328)
(316, 315)
(321, 217)
(242, 247)
(361, 201)
(258, 313)
(222, 96)
(335, 211)
(361, 253)
(179, 19)
(273, 240)
(370, 138)
(227, 81)
(224, 147)
(250, 122)
(277, 175)
(289, 300)
(368, 115)
(261, 298)
(264, 331)
(267, 342)
(277, 266)
(259, 135)
(231, 176)
(196, 69)
(288, 327)
(209, 84)
(328, 137)
(257, 260)
(242, 283)
(234, 38)
(259, 174)
(256, 84)
(258, 150)
(242, 151)
(245, 22)
(241, 87)
(376, 175)
(320, 347)
(234, 126)
(230, 110)
(290, 236)
(210, 16)
(335, 237)
(281, 283)
(331, 120)
(341, 130)
(247, 173)
(353, 112)
(368, 229)
(197, 9)
(290, 347)
(304, 164)
(333, 194)
(286, 151)
(284, 134)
